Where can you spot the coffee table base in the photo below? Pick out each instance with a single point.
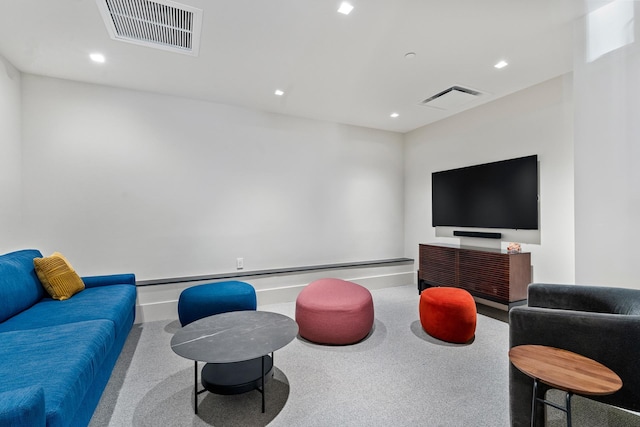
(235, 377)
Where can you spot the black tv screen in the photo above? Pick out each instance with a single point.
(501, 194)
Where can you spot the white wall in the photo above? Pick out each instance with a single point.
(10, 160)
(161, 186)
(538, 121)
(121, 180)
(607, 157)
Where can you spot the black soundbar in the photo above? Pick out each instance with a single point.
(482, 234)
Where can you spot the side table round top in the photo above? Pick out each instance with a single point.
(235, 336)
(565, 370)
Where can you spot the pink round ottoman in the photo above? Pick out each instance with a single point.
(334, 311)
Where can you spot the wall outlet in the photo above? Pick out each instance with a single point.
(239, 263)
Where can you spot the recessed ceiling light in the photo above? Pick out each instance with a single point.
(394, 115)
(97, 57)
(278, 92)
(501, 64)
(345, 8)
(410, 55)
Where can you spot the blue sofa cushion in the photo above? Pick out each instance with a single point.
(56, 360)
(27, 407)
(113, 303)
(19, 285)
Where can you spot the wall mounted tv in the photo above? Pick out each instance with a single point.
(501, 194)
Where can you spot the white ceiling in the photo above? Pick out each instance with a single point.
(346, 69)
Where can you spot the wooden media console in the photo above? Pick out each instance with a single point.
(488, 274)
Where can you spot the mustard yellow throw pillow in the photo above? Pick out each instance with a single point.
(57, 276)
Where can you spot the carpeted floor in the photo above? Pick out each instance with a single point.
(398, 376)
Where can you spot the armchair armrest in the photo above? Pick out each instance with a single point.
(611, 339)
(598, 299)
(23, 407)
(111, 279)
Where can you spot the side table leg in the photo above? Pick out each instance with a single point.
(534, 400)
(568, 406)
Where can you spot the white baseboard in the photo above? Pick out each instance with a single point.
(160, 302)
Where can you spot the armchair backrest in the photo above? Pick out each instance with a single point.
(596, 299)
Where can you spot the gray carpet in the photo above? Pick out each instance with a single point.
(398, 376)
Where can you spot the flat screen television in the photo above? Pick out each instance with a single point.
(501, 194)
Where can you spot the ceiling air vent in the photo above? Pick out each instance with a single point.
(452, 98)
(159, 24)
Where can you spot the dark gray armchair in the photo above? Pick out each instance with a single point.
(601, 323)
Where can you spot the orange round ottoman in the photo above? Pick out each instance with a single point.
(448, 314)
(334, 311)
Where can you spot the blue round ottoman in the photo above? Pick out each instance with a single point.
(202, 301)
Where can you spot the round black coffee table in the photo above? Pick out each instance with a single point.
(235, 347)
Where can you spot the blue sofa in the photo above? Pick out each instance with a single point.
(56, 357)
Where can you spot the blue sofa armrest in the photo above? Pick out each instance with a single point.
(111, 279)
(23, 407)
